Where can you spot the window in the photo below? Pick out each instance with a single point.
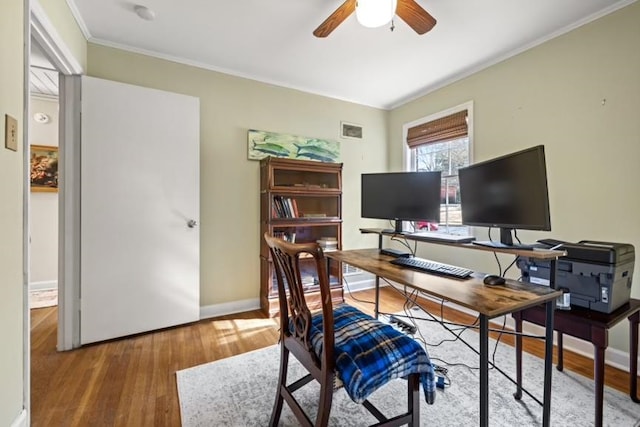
(442, 142)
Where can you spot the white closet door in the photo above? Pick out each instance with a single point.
(139, 198)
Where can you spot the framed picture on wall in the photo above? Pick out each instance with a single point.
(44, 168)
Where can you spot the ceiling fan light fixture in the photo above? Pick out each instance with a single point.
(375, 13)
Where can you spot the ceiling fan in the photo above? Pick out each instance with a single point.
(408, 10)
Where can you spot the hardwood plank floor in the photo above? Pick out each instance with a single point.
(131, 381)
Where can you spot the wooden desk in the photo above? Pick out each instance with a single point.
(489, 302)
(590, 326)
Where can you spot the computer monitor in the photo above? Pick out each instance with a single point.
(509, 192)
(401, 196)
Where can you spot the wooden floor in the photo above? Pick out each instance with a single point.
(131, 381)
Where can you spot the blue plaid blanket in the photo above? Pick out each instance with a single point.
(369, 353)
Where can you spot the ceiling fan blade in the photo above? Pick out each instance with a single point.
(415, 16)
(335, 19)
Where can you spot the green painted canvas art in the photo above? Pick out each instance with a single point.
(263, 144)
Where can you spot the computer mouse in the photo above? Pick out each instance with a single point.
(493, 280)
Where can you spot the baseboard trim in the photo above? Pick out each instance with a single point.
(226, 308)
(21, 420)
(48, 284)
(359, 282)
(613, 357)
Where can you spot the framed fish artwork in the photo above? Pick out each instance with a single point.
(263, 144)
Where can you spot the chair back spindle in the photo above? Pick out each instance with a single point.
(295, 315)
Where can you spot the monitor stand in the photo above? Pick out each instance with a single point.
(397, 230)
(506, 242)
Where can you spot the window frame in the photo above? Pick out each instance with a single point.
(408, 154)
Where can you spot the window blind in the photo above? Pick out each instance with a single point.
(443, 129)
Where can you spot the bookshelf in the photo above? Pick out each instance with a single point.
(300, 201)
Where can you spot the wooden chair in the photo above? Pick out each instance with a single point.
(324, 344)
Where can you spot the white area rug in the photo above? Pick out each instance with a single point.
(240, 391)
(40, 298)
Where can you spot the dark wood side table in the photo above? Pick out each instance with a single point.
(591, 326)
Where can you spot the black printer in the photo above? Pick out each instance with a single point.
(597, 274)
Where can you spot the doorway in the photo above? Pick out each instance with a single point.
(43, 195)
(58, 59)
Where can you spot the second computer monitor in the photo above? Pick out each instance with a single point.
(508, 192)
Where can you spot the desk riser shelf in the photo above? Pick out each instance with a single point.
(542, 254)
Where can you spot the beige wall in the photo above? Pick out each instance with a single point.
(11, 222)
(43, 214)
(229, 215)
(579, 95)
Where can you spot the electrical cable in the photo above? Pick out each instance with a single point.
(495, 348)
(443, 322)
(495, 255)
(346, 282)
(411, 302)
(403, 242)
(511, 265)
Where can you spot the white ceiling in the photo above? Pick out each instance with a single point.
(43, 79)
(272, 41)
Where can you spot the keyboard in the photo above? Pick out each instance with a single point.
(433, 267)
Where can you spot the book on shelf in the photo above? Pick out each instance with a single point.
(289, 203)
(328, 243)
(285, 235)
(284, 207)
(308, 280)
(314, 215)
(277, 204)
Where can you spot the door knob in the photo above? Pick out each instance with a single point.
(192, 223)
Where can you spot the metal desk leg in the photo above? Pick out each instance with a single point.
(560, 366)
(548, 363)
(548, 350)
(377, 302)
(484, 371)
(518, 320)
(633, 351)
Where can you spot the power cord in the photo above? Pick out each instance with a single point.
(442, 378)
(495, 255)
(346, 282)
(510, 265)
(403, 241)
(409, 325)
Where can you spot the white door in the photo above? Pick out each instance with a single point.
(139, 207)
